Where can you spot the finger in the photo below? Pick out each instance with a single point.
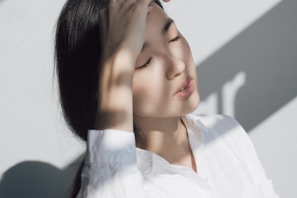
(144, 6)
(146, 2)
(150, 8)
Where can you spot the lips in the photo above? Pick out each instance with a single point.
(185, 89)
(183, 85)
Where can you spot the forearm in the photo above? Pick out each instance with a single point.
(115, 108)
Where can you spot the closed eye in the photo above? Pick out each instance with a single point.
(175, 39)
(145, 64)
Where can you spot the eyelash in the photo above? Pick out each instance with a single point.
(175, 39)
(150, 59)
(146, 64)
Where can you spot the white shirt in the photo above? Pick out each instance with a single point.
(227, 165)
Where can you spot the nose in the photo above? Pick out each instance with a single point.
(175, 67)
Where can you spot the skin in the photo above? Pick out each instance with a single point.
(145, 67)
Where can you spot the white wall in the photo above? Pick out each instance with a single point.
(275, 141)
(31, 125)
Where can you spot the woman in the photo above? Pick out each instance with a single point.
(124, 67)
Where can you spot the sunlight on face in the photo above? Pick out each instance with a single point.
(165, 82)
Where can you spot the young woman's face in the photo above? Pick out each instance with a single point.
(165, 82)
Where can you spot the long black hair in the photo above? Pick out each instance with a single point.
(78, 51)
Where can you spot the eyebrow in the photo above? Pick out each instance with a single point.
(145, 45)
(167, 26)
(165, 29)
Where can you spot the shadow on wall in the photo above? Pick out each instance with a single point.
(258, 67)
(38, 179)
(31, 179)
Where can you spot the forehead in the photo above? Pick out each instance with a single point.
(156, 20)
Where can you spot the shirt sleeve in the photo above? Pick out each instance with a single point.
(110, 169)
(245, 151)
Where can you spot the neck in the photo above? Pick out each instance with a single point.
(167, 138)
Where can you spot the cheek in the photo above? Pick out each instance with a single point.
(187, 54)
(148, 94)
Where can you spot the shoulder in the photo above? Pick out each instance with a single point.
(225, 136)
